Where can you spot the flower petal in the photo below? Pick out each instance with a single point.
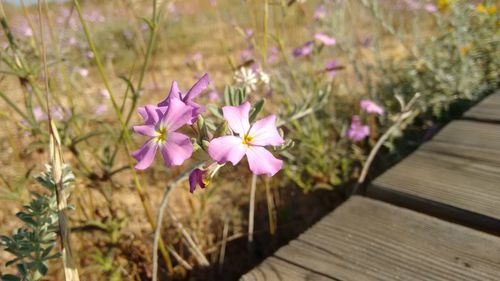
(371, 107)
(237, 117)
(145, 155)
(177, 149)
(150, 114)
(146, 130)
(196, 178)
(177, 115)
(227, 148)
(196, 110)
(174, 93)
(262, 161)
(264, 132)
(197, 88)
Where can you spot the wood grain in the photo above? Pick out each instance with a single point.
(487, 110)
(471, 140)
(274, 269)
(454, 181)
(365, 239)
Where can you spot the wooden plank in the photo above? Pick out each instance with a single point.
(365, 239)
(274, 269)
(457, 182)
(487, 110)
(468, 139)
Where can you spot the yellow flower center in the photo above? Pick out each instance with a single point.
(206, 182)
(247, 139)
(162, 135)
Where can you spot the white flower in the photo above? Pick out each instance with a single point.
(246, 78)
(264, 77)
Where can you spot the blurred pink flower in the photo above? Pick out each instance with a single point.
(57, 113)
(357, 131)
(250, 141)
(104, 93)
(249, 32)
(412, 5)
(197, 56)
(213, 96)
(188, 99)
(197, 178)
(371, 107)
(331, 68)
(101, 109)
(246, 54)
(39, 114)
(272, 55)
(325, 39)
(431, 8)
(27, 31)
(82, 71)
(320, 12)
(161, 124)
(304, 50)
(72, 41)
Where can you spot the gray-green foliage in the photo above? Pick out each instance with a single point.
(33, 244)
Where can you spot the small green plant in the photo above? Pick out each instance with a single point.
(33, 244)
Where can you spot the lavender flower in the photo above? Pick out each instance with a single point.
(357, 131)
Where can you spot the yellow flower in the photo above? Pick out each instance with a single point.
(481, 9)
(486, 10)
(443, 4)
(492, 9)
(464, 50)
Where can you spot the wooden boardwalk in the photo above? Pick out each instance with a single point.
(434, 216)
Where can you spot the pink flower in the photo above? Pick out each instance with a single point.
(431, 8)
(371, 107)
(197, 178)
(188, 99)
(250, 141)
(160, 124)
(331, 68)
(325, 39)
(304, 50)
(357, 131)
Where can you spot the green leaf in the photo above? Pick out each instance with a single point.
(10, 277)
(256, 110)
(26, 218)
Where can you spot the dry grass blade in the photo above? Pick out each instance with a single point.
(70, 270)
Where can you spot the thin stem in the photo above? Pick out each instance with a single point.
(406, 113)
(126, 134)
(70, 269)
(251, 212)
(161, 211)
(225, 232)
(270, 208)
